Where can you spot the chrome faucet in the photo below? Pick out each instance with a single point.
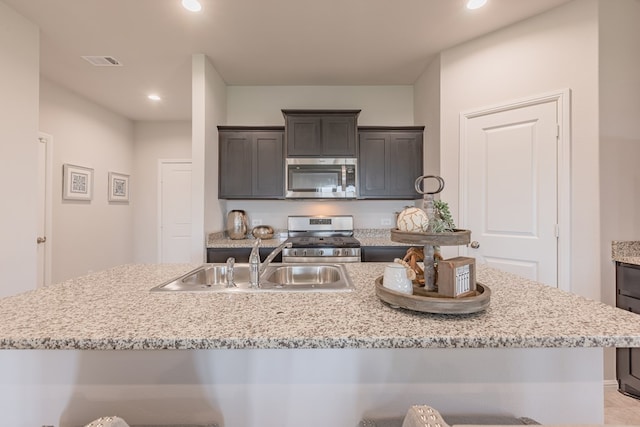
(230, 264)
(254, 265)
(273, 254)
(256, 269)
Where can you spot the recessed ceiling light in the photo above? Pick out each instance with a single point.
(475, 4)
(154, 97)
(192, 5)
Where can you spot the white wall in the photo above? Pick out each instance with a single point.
(93, 235)
(552, 51)
(619, 130)
(262, 105)
(619, 138)
(19, 50)
(153, 141)
(209, 98)
(366, 213)
(426, 110)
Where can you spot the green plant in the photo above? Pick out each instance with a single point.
(443, 220)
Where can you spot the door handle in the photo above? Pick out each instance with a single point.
(41, 240)
(475, 244)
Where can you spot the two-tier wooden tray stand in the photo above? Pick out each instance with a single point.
(429, 240)
(426, 299)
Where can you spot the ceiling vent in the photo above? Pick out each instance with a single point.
(103, 61)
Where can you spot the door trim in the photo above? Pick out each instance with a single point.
(562, 98)
(48, 206)
(162, 162)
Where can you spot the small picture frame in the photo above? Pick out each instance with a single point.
(77, 182)
(118, 187)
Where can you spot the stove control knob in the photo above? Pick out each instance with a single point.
(336, 252)
(321, 252)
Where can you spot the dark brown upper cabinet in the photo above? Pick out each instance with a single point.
(251, 162)
(390, 160)
(321, 133)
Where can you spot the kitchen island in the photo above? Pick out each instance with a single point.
(103, 344)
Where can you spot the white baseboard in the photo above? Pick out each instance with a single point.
(610, 383)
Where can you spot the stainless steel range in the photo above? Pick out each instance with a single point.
(321, 239)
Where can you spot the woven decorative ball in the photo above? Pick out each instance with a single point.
(413, 220)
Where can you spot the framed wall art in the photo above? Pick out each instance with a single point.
(118, 187)
(77, 182)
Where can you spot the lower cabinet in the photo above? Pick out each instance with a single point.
(240, 254)
(628, 298)
(367, 254)
(382, 253)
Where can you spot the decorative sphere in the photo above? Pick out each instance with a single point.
(412, 220)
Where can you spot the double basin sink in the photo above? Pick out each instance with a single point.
(275, 277)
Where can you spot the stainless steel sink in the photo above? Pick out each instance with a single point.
(304, 276)
(208, 277)
(276, 277)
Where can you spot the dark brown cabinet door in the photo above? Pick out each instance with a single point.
(390, 160)
(372, 164)
(628, 298)
(268, 161)
(339, 136)
(405, 163)
(240, 254)
(303, 136)
(326, 133)
(251, 163)
(236, 163)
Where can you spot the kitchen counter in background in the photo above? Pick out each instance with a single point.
(626, 251)
(367, 237)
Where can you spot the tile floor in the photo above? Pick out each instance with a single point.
(620, 409)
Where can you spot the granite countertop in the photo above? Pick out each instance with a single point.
(626, 251)
(367, 237)
(114, 309)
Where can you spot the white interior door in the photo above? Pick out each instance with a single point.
(175, 211)
(43, 242)
(509, 194)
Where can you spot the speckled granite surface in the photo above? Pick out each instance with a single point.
(115, 310)
(366, 236)
(626, 251)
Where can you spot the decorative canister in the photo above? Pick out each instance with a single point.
(262, 232)
(237, 224)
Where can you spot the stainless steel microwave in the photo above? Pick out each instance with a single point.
(321, 178)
